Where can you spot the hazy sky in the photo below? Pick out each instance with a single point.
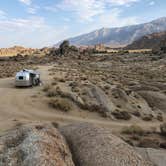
(39, 23)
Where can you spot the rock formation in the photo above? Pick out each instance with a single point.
(34, 145)
(96, 146)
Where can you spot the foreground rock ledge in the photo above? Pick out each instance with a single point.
(34, 145)
(96, 146)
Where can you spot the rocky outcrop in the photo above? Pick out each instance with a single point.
(34, 145)
(158, 157)
(96, 100)
(96, 146)
(156, 100)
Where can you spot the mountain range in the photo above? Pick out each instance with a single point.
(120, 36)
(152, 41)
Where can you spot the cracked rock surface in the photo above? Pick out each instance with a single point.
(34, 145)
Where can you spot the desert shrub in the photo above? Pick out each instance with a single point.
(160, 117)
(62, 80)
(149, 143)
(106, 87)
(73, 84)
(55, 124)
(136, 113)
(118, 114)
(76, 90)
(54, 83)
(122, 52)
(61, 104)
(163, 129)
(147, 117)
(58, 90)
(133, 130)
(163, 145)
(119, 106)
(47, 87)
(52, 92)
(59, 79)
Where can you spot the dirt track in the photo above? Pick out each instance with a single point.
(21, 105)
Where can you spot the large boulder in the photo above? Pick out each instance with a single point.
(97, 146)
(34, 145)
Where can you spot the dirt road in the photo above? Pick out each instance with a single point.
(21, 105)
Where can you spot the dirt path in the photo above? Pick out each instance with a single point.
(21, 105)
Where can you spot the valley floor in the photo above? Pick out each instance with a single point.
(23, 105)
(126, 94)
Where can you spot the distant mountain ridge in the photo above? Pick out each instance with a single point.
(152, 41)
(120, 36)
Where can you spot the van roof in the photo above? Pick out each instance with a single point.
(26, 71)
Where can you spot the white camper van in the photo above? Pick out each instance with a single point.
(26, 78)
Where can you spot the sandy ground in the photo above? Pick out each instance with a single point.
(22, 105)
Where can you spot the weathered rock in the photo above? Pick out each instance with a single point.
(96, 146)
(131, 102)
(96, 100)
(155, 99)
(34, 145)
(156, 156)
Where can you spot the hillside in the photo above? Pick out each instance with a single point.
(151, 41)
(120, 36)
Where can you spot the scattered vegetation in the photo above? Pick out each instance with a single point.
(119, 114)
(149, 142)
(133, 130)
(147, 117)
(61, 104)
(55, 124)
(163, 129)
(47, 87)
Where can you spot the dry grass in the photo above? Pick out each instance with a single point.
(47, 87)
(52, 92)
(147, 117)
(56, 79)
(61, 104)
(133, 130)
(149, 142)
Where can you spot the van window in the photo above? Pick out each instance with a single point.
(20, 77)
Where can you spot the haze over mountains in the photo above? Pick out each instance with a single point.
(120, 36)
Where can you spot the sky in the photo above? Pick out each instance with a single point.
(40, 23)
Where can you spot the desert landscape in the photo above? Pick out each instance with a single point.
(83, 83)
(122, 92)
